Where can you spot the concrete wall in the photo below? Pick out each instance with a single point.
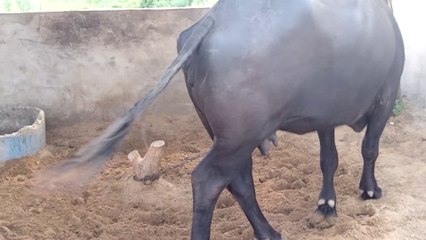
(90, 65)
(95, 64)
(411, 17)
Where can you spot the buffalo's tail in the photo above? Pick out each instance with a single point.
(91, 158)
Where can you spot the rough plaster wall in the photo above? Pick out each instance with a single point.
(411, 18)
(90, 65)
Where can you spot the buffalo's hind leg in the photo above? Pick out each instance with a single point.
(221, 168)
(209, 179)
(242, 188)
(376, 122)
(325, 215)
(369, 189)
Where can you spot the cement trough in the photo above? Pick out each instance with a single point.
(22, 132)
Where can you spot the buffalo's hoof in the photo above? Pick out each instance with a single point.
(267, 234)
(276, 238)
(324, 216)
(271, 236)
(372, 194)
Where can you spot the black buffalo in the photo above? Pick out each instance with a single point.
(253, 67)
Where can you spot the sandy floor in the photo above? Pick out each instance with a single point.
(113, 206)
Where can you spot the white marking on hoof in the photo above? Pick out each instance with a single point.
(331, 203)
(360, 192)
(321, 202)
(370, 193)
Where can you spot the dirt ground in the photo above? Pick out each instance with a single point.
(114, 206)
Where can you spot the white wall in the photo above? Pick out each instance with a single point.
(411, 17)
